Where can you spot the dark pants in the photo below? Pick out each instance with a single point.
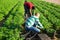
(27, 11)
(34, 29)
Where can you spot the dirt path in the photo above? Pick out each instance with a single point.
(54, 1)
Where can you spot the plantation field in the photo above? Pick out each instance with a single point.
(49, 12)
(12, 16)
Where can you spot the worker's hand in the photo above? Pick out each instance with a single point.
(40, 28)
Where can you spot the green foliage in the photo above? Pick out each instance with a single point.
(11, 30)
(9, 34)
(50, 30)
(6, 6)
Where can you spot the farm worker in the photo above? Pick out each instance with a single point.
(29, 7)
(32, 23)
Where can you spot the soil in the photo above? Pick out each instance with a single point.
(54, 1)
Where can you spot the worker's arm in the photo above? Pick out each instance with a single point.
(31, 12)
(39, 24)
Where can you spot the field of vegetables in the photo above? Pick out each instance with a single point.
(12, 16)
(49, 15)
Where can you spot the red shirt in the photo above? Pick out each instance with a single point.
(29, 4)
